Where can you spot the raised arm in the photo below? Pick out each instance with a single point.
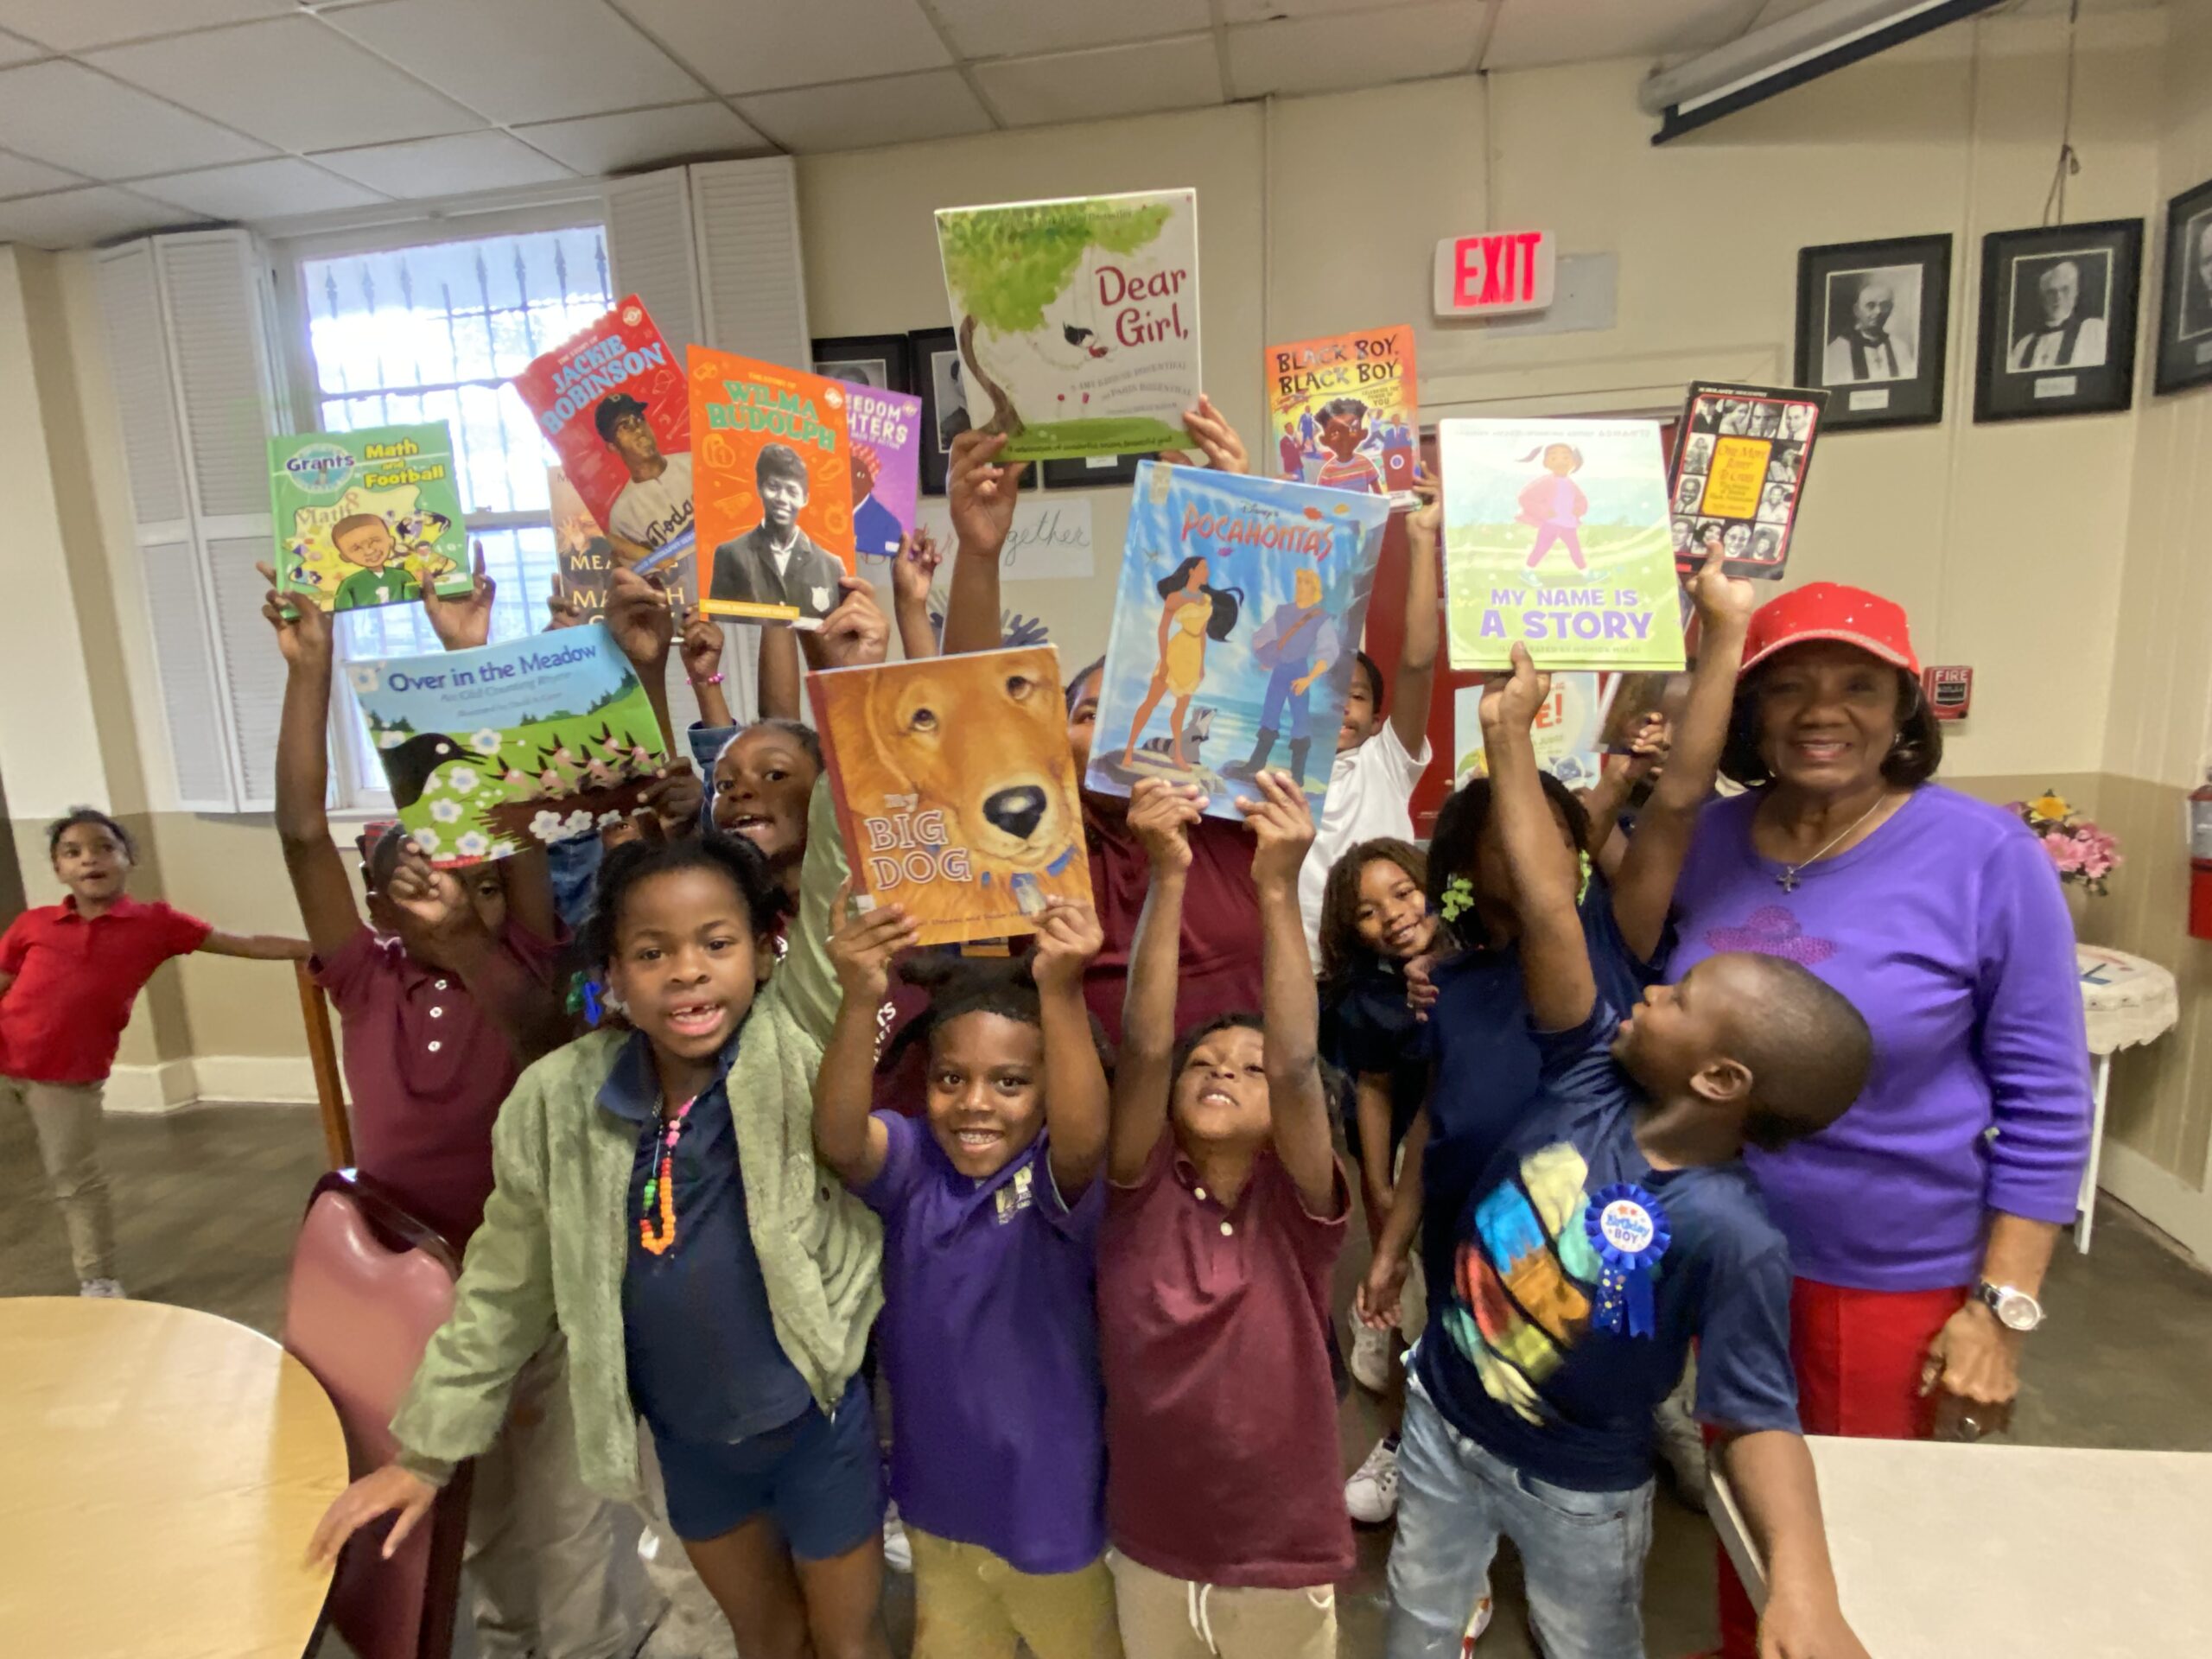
(311, 858)
(912, 571)
(465, 622)
(1161, 816)
(1216, 438)
(701, 644)
(257, 947)
(528, 1013)
(1554, 957)
(1771, 1475)
(781, 696)
(1076, 1110)
(644, 626)
(1415, 683)
(981, 493)
(846, 1135)
(1643, 886)
(1283, 822)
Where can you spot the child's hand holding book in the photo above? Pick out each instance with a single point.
(1282, 821)
(1161, 817)
(1068, 936)
(303, 629)
(862, 950)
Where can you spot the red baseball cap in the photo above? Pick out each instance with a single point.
(1828, 610)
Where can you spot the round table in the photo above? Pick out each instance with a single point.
(161, 1473)
(2126, 1001)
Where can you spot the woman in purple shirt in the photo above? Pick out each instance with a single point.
(1921, 1223)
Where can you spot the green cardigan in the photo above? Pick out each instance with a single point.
(555, 1242)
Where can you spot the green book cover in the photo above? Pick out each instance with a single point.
(365, 517)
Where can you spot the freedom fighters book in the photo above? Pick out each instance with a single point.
(1240, 608)
(1741, 458)
(1077, 320)
(886, 434)
(955, 789)
(365, 519)
(775, 489)
(588, 560)
(491, 751)
(1341, 412)
(613, 404)
(1555, 536)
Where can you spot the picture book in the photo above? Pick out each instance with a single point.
(1077, 319)
(612, 403)
(1341, 412)
(492, 751)
(588, 558)
(886, 429)
(775, 489)
(972, 837)
(365, 519)
(1239, 611)
(1565, 730)
(1555, 536)
(1741, 457)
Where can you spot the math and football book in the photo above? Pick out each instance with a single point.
(492, 751)
(775, 489)
(367, 518)
(973, 837)
(1342, 412)
(1076, 320)
(1239, 610)
(886, 434)
(1556, 537)
(1742, 454)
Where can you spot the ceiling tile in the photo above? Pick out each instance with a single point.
(16, 49)
(862, 114)
(295, 82)
(1368, 49)
(72, 25)
(257, 190)
(64, 113)
(1531, 33)
(1012, 29)
(600, 144)
(748, 46)
(1260, 12)
(582, 59)
(71, 219)
(446, 166)
(1177, 74)
(19, 177)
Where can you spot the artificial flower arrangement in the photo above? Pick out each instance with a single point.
(2083, 852)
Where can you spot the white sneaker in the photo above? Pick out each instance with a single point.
(898, 1550)
(1475, 1625)
(1372, 1494)
(1371, 1358)
(110, 1289)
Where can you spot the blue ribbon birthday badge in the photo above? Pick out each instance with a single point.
(1628, 1230)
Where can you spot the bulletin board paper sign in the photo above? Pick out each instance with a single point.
(1565, 730)
(1050, 540)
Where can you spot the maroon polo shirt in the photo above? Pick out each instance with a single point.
(75, 980)
(1221, 1411)
(427, 1070)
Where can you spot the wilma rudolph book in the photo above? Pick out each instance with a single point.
(1555, 536)
(955, 789)
(1341, 412)
(365, 519)
(1240, 608)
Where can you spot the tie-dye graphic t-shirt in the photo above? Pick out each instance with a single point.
(1514, 1358)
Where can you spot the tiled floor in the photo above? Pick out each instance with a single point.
(207, 1201)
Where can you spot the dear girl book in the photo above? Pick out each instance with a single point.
(365, 519)
(1341, 413)
(1076, 320)
(974, 837)
(1742, 455)
(1240, 606)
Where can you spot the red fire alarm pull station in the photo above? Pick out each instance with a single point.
(1951, 691)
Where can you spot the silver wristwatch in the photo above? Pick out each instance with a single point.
(2015, 1309)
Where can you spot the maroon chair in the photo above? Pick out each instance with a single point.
(369, 1285)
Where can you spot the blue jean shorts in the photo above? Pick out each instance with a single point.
(819, 1477)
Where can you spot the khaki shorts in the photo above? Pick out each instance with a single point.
(971, 1603)
(1173, 1619)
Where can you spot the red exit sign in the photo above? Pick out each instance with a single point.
(1489, 275)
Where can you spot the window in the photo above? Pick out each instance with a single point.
(432, 334)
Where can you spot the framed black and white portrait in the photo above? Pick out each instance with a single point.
(1872, 320)
(2057, 331)
(941, 379)
(878, 360)
(2185, 304)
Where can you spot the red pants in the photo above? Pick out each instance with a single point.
(1857, 1355)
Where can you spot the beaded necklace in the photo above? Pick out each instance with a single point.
(660, 1186)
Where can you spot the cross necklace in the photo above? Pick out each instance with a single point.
(1788, 879)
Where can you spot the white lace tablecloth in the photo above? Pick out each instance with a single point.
(2128, 1001)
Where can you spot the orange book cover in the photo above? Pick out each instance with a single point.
(774, 489)
(1342, 412)
(955, 789)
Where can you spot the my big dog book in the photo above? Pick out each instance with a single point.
(955, 789)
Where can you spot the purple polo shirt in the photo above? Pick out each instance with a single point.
(989, 1340)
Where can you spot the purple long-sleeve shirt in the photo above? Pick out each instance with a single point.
(1946, 929)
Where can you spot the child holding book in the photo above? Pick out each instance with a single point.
(1617, 1224)
(68, 976)
(1224, 1215)
(991, 1206)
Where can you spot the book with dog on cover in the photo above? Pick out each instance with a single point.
(955, 789)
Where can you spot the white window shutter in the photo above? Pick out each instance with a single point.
(753, 278)
(649, 250)
(184, 665)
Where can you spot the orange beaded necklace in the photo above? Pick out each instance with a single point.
(660, 1186)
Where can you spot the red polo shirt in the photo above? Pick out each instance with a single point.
(427, 1070)
(1220, 960)
(1221, 1465)
(75, 980)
